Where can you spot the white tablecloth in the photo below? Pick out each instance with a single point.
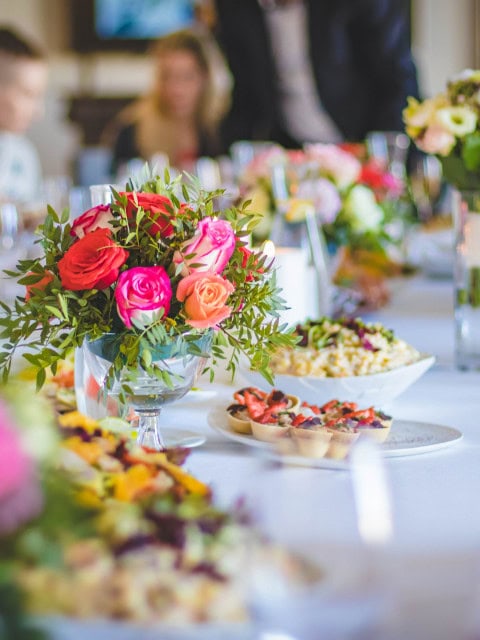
(435, 495)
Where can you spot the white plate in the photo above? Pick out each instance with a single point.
(62, 628)
(375, 389)
(406, 438)
(196, 395)
(181, 438)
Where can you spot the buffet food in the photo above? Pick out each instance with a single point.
(341, 348)
(315, 431)
(123, 532)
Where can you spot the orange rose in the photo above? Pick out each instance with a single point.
(204, 296)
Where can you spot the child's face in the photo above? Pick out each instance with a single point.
(22, 96)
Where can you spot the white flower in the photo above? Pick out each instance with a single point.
(362, 211)
(458, 121)
(437, 141)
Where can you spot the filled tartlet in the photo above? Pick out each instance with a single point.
(315, 431)
(310, 436)
(252, 405)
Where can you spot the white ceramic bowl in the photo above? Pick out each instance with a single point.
(376, 389)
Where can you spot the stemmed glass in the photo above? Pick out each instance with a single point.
(146, 394)
(425, 186)
(389, 149)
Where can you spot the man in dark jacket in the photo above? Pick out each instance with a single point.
(316, 70)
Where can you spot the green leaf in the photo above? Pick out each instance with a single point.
(471, 152)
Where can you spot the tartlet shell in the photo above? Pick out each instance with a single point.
(310, 442)
(340, 443)
(239, 425)
(269, 432)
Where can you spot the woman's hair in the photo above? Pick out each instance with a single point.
(147, 116)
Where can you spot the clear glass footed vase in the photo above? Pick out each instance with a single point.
(147, 393)
(466, 211)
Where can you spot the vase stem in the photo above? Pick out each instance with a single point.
(149, 434)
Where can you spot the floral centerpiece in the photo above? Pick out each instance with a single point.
(356, 204)
(157, 268)
(448, 126)
(352, 199)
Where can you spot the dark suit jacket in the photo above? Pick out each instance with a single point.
(361, 60)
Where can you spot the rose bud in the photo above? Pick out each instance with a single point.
(93, 262)
(204, 296)
(95, 218)
(210, 249)
(143, 294)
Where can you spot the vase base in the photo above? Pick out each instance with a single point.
(181, 438)
(467, 362)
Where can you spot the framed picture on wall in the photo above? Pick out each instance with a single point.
(116, 25)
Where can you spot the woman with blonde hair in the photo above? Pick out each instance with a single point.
(179, 116)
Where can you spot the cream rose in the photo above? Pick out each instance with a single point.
(361, 210)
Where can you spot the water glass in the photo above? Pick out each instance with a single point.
(466, 211)
(389, 149)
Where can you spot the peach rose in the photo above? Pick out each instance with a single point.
(204, 296)
(41, 284)
(437, 141)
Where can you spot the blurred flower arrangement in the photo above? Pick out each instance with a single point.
(353, 197)
(447, 126)
(158, 266)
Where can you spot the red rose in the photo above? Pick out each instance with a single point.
(40, 285)
(92, 262)
(155, 205)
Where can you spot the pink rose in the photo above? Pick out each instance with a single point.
(95, 218)
(337, 164)
(436, 140)
(211, 247)
(143, 294)
(324, 196)
(204, 295)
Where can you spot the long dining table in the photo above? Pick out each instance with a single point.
(430, 566)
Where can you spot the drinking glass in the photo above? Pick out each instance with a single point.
(425, 186)
(389, 149)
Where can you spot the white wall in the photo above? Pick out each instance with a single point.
(46, 21)
(443, 40)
